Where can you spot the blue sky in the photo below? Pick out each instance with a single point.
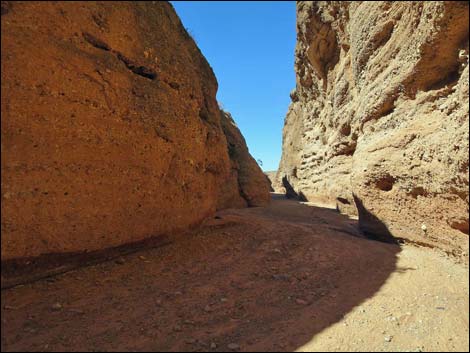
(250, 46)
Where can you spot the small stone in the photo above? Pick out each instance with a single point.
(424, 228)
(388, 338)
(213, 345)
(233, 346)
(142, 258)
(301, 302)
(30, 330)
(223, 300)
(463, 56)
(56, 306)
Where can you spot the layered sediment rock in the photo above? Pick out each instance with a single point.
(111, 132)
(378, 123)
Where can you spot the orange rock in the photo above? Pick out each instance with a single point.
(111, 132)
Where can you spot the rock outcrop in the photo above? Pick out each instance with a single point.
(247, 184)
(378, 123)
(111, 132)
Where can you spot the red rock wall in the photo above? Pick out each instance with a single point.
(111, 132)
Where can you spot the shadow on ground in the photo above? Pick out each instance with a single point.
(255, 279)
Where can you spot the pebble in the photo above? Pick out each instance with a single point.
(388, 338)
(301, 302)
(281, 277)
(213, 345)
(56, 306)
(76, 311)
(233, 346)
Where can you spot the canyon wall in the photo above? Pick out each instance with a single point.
(111, 132)
(378, 124)
(247, 184)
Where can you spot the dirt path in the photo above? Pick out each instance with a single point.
(287, 277)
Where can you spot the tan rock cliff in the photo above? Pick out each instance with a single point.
(379, 119)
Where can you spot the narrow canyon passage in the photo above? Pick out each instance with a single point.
(290, 276)
(241, 176)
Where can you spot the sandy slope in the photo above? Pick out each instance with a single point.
(287, 277)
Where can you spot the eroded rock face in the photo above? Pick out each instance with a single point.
(247, 184)
(379, 118)
(111, 132)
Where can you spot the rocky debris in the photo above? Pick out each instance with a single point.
(120, 261)
(301, 302)
(378, 124)
(121, 137)
(56, 307)
(233, 346)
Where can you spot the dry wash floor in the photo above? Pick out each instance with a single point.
(287, 277)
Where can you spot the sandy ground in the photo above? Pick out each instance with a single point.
(288, 277)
